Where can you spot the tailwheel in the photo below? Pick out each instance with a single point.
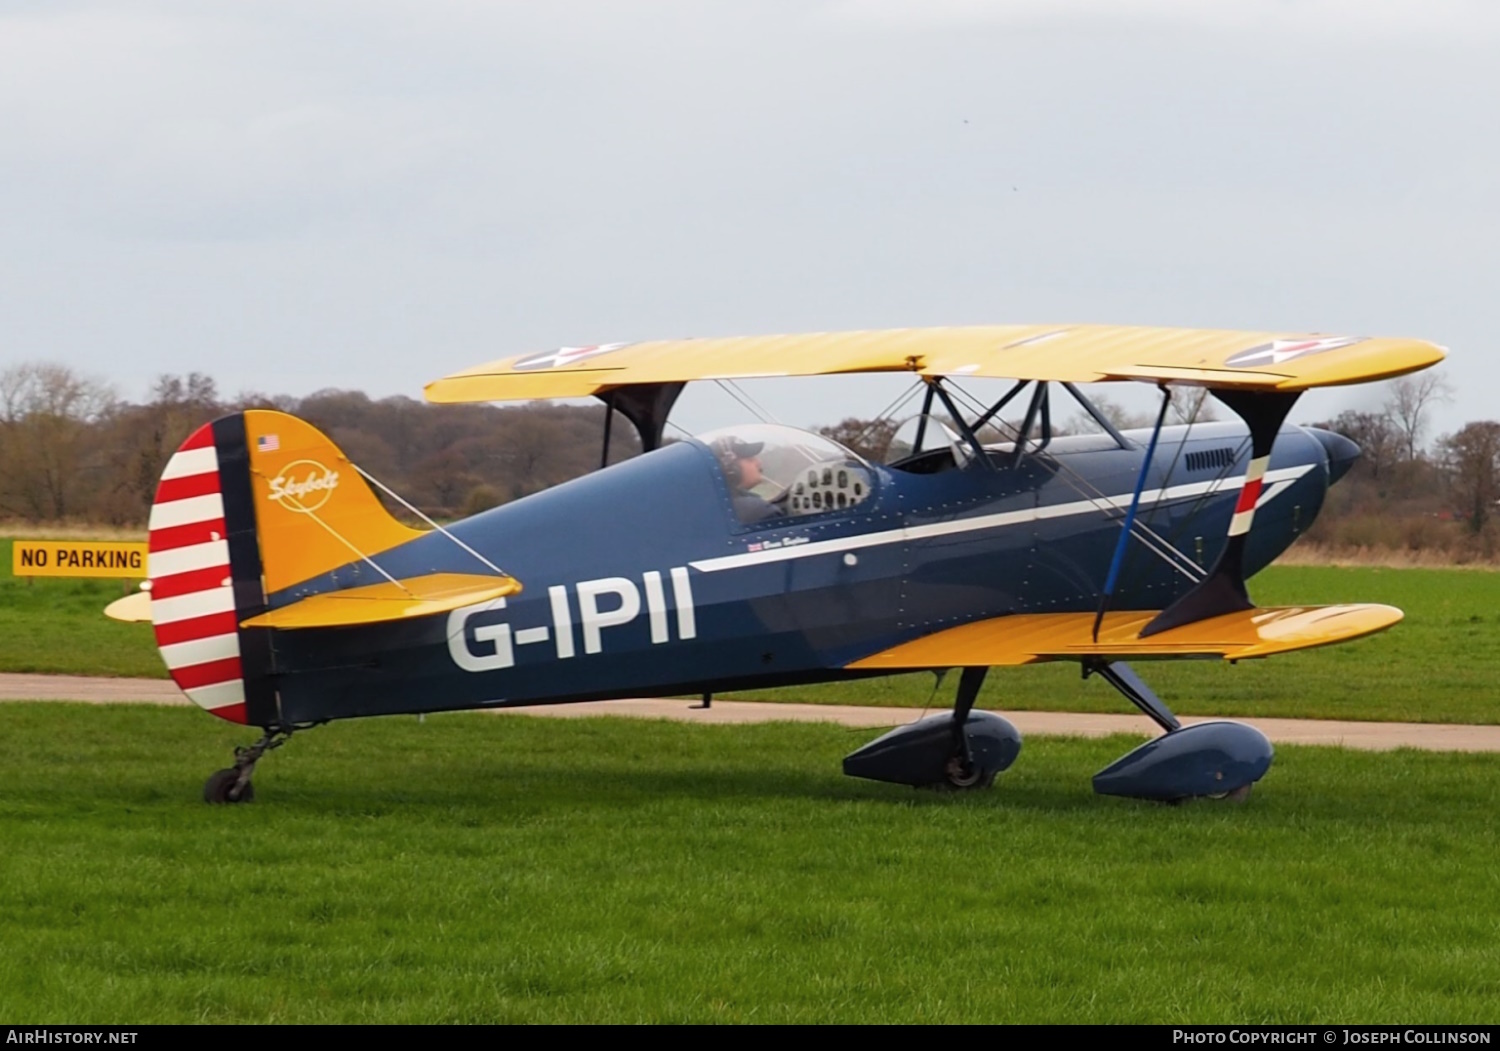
(233, 785)
(223, 786)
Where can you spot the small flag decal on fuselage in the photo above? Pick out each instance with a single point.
(267, 443)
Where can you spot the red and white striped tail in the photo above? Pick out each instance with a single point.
(192, 592)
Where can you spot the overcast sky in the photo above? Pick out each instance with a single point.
(296, 195)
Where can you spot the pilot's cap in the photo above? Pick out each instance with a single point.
(730, 450)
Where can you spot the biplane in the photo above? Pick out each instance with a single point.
(283, 593)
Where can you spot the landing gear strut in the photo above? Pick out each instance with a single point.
(233, 785)
(1218, 760)
(961, 770)
(963, 750)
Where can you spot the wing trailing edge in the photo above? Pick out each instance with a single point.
(1034, 638)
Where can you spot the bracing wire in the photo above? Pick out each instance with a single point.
(893, 407)
(1153, 541)
(1161, 492)
(746, 402)
(900, 400)
(416, 511)
(1119, 558)
(1218, 478)
(765, 413)
(302, 508)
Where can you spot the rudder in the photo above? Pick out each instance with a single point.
(249, 505)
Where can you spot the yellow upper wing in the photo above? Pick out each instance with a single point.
(1073, 353)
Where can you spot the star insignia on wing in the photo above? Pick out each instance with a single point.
(1280, 351)
(556, 359)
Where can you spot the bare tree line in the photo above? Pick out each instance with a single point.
(1406, 491)
(71, 450)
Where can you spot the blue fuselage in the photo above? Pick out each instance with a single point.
(639, 580)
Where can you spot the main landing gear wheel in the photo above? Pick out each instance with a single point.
(223, 786)
(1213, 760)
(962, 752)
(963, 774)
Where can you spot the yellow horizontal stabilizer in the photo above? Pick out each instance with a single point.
(131, 608)
(377, 603)
(1031, 638)
(1285, 361)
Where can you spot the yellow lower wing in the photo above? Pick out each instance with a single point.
(1031, 638)
(376, 603)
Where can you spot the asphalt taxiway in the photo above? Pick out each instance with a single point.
(1370, 736)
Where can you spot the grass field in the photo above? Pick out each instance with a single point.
(475, 868)
(56, 625)
(1441, 664)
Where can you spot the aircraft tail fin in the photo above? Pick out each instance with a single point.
(249, 505)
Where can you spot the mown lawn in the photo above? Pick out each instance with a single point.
(477, 868)
(56, 625)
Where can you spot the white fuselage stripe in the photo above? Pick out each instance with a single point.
(185, 512)
(981, 522)
(1270, 492)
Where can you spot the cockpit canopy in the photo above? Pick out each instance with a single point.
(778, 472)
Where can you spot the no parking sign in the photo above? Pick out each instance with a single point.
(78, 558)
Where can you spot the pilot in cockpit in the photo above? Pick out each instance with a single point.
(740, 461)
